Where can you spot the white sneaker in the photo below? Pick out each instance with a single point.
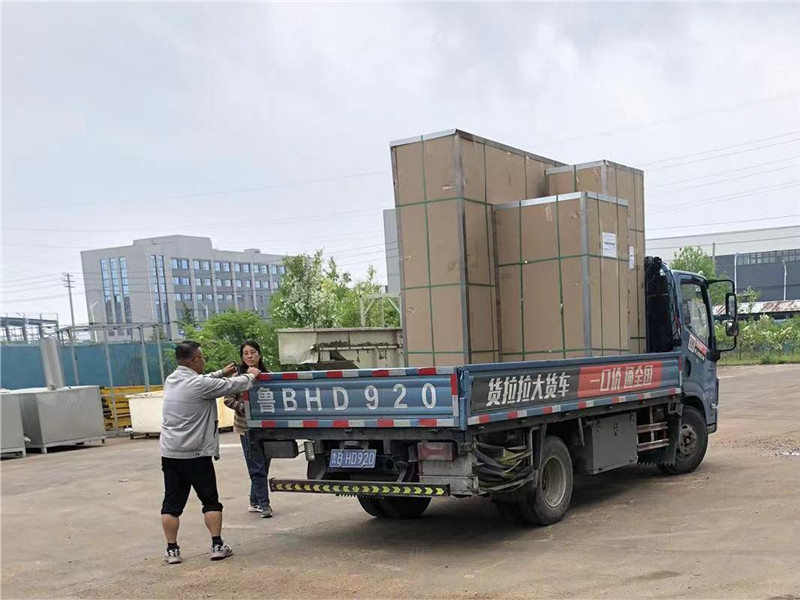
(220, 552)
(254, 508)
(173, 557)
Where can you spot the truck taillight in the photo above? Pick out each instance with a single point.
(680, 364)
(435, 451)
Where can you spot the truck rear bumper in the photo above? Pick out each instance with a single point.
(360, 488)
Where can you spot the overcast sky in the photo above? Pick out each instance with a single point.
(268, 125)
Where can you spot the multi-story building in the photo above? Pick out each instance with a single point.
(159, 279)
(767, 260)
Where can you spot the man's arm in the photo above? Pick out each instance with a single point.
(214, 387)
(224, 372)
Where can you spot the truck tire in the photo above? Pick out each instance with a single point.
(404, 508)
(548, 501)
(692, 443)
(372, 506)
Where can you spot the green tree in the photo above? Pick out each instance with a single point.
(349, 307)
(186, 323)
(318, 294)
(307, 296)
(221, 335)
(693, 259)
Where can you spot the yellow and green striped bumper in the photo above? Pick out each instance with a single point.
(361, 488)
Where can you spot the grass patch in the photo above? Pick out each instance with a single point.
(759, 359)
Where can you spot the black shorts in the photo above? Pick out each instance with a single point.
(182, 474)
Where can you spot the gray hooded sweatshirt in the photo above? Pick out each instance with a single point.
(189, 427)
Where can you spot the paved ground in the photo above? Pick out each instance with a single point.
(84, 523)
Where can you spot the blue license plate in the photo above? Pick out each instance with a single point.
(352, 459)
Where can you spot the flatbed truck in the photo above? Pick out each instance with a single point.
(515, 433)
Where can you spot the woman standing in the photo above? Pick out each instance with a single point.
(257, 462)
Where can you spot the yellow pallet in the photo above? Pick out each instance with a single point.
(118, 402)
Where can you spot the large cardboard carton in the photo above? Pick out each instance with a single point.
(563, 276)
(615, 180)
(445, 185)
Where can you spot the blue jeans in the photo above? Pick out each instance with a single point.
(257, 468)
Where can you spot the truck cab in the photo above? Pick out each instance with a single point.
(680, 318)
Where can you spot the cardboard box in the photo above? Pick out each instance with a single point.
(562, 274)
(445, 185)
(615, 180)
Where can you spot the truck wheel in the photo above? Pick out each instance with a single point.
(547, 502)
(372, 506)
(404, 508)
(692, 443)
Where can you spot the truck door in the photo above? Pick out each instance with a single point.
(699, 349)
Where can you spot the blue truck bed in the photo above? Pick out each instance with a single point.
(457, 398)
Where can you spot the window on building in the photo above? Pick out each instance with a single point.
(274, 269)
(196, 264)
(247, 283)
(229, 297)
(238, 283)
(282, 269)
(185, 281)
(173, 262)
(226, 283)
(263, 269)
(217, 266)
(206, 265)
(226, 267)
(277, 285)
(176, 281)
(184, 263)
(240, 297)
(187, 296)
(220, 297)
(198, 281)
(258, 285)
(178, 297)
(237, 267)
(210, 297)
(246, 267)
(207, 281)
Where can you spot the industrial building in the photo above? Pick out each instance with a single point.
(157, 279)
(767, 259)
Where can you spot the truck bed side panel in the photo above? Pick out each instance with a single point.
(520, 390)
(363, 398)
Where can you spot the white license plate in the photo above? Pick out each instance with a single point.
(352, 459)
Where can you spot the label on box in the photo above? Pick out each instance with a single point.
(609, 244)
(631, 258)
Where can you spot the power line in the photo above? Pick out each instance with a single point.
(699, 160)
(753, 192)
(769, 239)
(692, 187)
(740, 144)
(713, 111)
(723, 222)
(736, 170)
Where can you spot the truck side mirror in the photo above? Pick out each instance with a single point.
(731, 328)
(731, 306)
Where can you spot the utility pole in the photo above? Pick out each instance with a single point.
(67, 279)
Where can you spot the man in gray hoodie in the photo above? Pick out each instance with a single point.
(189, 440)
